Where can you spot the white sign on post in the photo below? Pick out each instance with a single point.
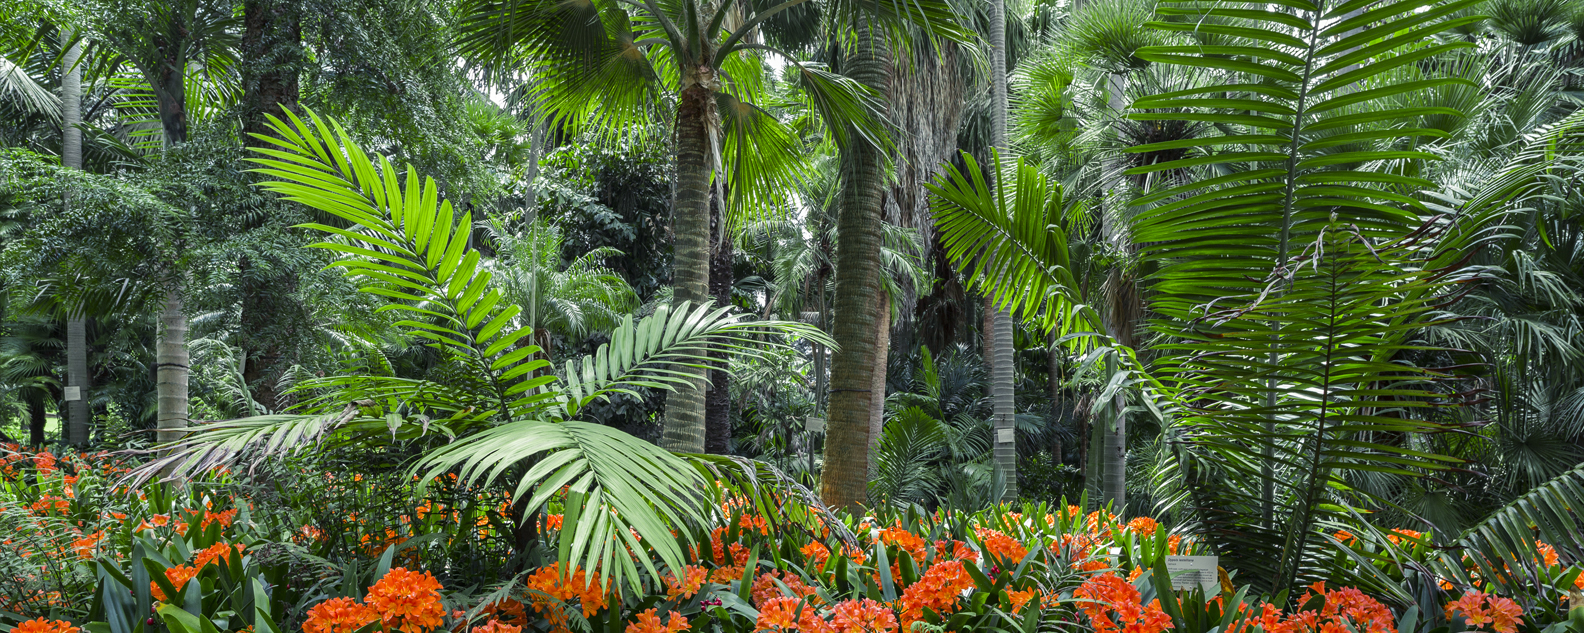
(1188, 572)
(1004, 436)
(814, 425)
(73, 393)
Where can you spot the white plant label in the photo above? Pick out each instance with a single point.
(73, 393)
(1188, 572)
(1004, 436)
(814, 425)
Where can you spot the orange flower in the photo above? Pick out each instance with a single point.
(1016, 599)
(1002, 546)
(815, 552)
(692, 580)
(178, 577)
(938, 589)
(764, 587)
(1346, 537)
(904, 540)
(496, 626)
(959, 550)
(1107, 595)
(1547, 554)
(1143, 526)
(1398, 534)
(45, 626)
(214, 553)
(789, 614)
(1172, 543)
(85, 546)
(648, 622)
(338, 615)
(407, 601)
(863, 616)
(1480, 609)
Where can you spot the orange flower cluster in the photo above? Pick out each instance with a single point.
(1017, 598)
(790, 614)
(86, 545)
(1143, 526)
(407, 601)
(214, 552)
(587, 589)
(765, 588)
(496, 626)
(863, 616)
(1001, 546)
(649, 622)
(45, 626)
(178, 577)
(1480, 610)
(938, 590)
(1108, 594)
(691, 580)
(906, 541)
(959, 550)
(1346, 610)
(815, 552)
(338, 615)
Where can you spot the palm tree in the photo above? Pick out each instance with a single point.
(1268, 416)
(607, 63)
(77, 378)
(161, 40)
(572, 299)
(1001, 369)
(497, 413)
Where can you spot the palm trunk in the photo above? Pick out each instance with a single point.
(717, 402)
(1053, 376)
(845, 477)
(1002, 370)
(882, 354)
(171, 364)
(36, 417)
(78, 412)
(684, 425)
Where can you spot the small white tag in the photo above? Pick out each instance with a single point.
(1188, 572)
(73, 393)
(814, 425)
(1005, 436)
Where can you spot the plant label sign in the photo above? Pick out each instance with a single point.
(72, 393)
(1188, 572)
(814, 425)
(1005, 436)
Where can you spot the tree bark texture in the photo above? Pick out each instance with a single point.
(717, 401)
(878, 390)
(78, 414)
(171, 368)
(1002, 371)
(844, 480)
(36, 417)
(272, 58)
(684, 425)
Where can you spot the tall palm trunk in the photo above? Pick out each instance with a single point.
(171, 363)
(717, 402)
(36, 416)
(690, 226)
(878, 390)
(845, 477)
(1002, 369)
(77, 411)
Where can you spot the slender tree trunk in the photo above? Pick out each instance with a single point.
(78, 413)
(845, 477)
(272, 62)
(717, 402)
(171, 363)
(1003, 370)
(684, 425)
(1053, 367)
(882, 354)
(36, 417)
